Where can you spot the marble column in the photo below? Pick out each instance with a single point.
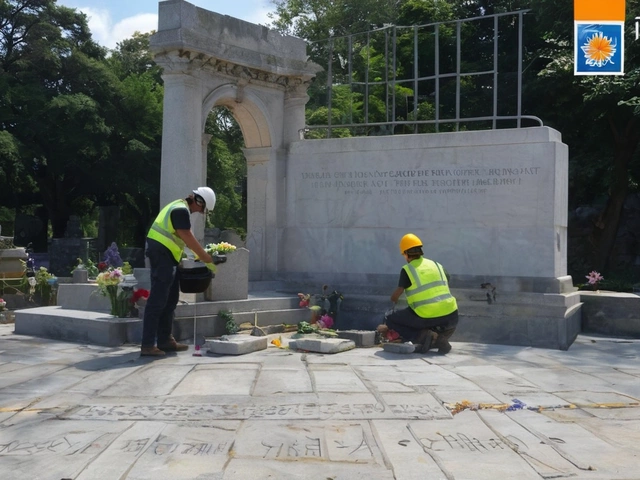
(183, 166)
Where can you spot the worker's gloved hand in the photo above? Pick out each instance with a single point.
(211, 267)
(218, 259)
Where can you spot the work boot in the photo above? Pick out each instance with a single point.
(442, 343)
(426, 339)
(172, 346)
(151, 352)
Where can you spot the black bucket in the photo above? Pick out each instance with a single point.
(194, 279)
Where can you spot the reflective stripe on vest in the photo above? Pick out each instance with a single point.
(429, 294)
(162, 230)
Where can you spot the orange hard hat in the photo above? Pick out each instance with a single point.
(409, 241)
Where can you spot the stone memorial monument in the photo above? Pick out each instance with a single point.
(490, 205)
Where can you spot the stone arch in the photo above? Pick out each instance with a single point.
(250, 113)
(210, 59)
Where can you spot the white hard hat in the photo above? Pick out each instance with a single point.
(207, 195)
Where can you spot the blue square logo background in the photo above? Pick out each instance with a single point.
(585, 31)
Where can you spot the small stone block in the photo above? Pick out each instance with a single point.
(362, 338)
(323, 345)
(398, 347)
(236, 344)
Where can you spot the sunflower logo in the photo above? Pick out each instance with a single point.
(599, 50)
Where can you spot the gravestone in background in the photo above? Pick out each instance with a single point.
(64, 252)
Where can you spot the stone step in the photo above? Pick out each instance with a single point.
(212, 325)
(96, 328)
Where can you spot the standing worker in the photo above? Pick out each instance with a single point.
(167, 237)
(432, 315)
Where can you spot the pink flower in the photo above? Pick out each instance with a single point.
(594, 277)
(325, 321)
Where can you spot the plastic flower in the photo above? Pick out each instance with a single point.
(594, 277)
(325, 321)
(109, 277)
(138, 294)
(304, 299)
(221, 248)
(112, 256)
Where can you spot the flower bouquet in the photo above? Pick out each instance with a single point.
(222, 248)
(108, 282)
(593, 279)
(3, 305)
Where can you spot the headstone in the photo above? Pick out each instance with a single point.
(232, 278)
(74, 227)
(108, 219)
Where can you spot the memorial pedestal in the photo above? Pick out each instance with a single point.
(232, 278)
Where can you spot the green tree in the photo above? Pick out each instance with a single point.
(227, 170)
(52, 73)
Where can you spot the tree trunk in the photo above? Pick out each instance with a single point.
(53, 199)
(606, 226)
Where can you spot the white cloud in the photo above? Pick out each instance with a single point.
(259, 17)
(108, 35)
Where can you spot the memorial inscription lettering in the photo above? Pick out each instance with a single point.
(419, 181)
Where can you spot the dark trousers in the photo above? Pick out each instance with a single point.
(408, 324)
(163, 298)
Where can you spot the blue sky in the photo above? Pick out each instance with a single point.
(114, 20)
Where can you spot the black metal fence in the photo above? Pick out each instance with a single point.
(447, 76)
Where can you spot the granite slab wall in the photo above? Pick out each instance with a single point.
(490, 206)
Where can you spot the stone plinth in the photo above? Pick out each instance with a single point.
(611, 313)
(232, 278)
(10, 262)
(82, 296)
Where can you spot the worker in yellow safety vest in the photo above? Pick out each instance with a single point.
(432, 314)
(166, 240)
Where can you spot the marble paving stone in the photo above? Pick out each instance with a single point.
(57, 450)
(282, 381)
(156, 379)
(614, 413)
(452, 396)
(456, 447)
(561, 378)
(22, 375)
(583, 449)
(415, 405)
(345, 442)
(391, 386)
(152, 450)
(497, 382)
(262, 469)
(542, 458)
(218, 380)
(100, 380)
(49, 385)
(616, 432)
(336, 379)
(594, 399)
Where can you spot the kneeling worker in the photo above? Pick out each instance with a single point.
(167, 237)
(432, 315)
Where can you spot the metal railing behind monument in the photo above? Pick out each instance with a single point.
(447, 76)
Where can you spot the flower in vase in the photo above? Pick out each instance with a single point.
(593, 278)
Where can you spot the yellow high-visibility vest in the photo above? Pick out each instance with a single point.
(429, 294)
(162, 229)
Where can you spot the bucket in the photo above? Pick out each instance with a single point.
(194, 277)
